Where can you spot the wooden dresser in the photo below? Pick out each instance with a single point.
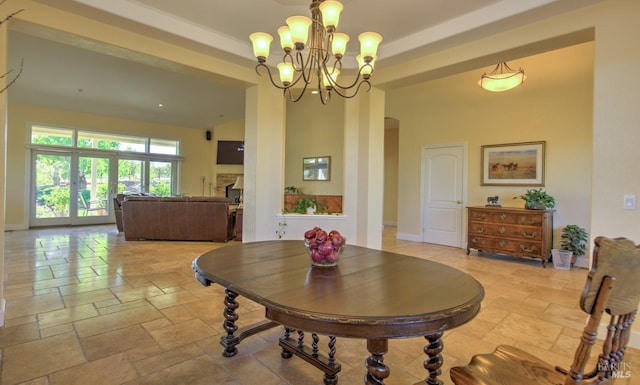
(512, 231)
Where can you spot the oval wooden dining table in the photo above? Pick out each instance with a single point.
(372, 294)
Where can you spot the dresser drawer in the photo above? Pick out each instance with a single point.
(506, 246)
(527, 219)
(507, 231)
(510, 230)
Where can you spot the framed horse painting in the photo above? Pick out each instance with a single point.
(513, 164)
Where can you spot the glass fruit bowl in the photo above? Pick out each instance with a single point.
(324, 249)
(323, 255)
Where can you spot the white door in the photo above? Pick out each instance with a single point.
(442, 192)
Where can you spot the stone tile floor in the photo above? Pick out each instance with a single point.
(85, 306)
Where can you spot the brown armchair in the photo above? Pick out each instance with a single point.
(613, 286)
(117, 210)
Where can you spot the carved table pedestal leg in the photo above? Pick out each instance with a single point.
(434, 363)
(229, 324)
(377, 371)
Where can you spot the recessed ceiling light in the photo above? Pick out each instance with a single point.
(160, 105)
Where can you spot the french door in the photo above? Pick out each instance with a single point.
(71, 188)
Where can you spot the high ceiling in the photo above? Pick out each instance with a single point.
(68, 76)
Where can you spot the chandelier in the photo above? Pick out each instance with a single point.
(502, 78)
(304, 65)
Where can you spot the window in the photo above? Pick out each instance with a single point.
(51, 136)
(54, 136)
(163, 146)
(111, 142)
(142, 164)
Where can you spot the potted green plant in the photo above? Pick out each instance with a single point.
(292, 190)
(574, 239)
(308, 205)
(537, 199)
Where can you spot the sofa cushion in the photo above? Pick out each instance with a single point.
(140, 198)
(209, 199)
(174, 199)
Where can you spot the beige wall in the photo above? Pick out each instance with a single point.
(616, 120)
(196, 163)
(391, 154)
(314, 129)
(444, 111)
(3, 146)
(616, 160)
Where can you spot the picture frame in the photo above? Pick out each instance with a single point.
(513, 164)
(316, 168)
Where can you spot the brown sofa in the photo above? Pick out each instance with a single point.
(177, 218)
(117, 208)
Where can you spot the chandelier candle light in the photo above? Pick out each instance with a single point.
(502, 78)
(312, 60)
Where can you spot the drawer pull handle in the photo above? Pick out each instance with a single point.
(530, 250)
(481, 217)
(503, 244)
(480, 230)
(527, 221)
(502, 230)
(477, 240)
(532, 235)
(503, 216)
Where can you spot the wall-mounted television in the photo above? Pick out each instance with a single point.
(230, 152)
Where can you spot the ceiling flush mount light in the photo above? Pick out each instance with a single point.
(502, 78)
(309, 46)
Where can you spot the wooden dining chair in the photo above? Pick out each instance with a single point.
(612, 287)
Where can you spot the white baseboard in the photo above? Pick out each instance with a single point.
(634, 337)
(2, 312)
(16, 227)
(582, 262)
(409, 237)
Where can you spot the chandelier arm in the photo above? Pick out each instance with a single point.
(288, 93)
(329, 42)
(268, 70)
(347, 96)
(304, 71)
(262, 65)
(322, 92)
(302, 92)
(324, 100)
(359, 79)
